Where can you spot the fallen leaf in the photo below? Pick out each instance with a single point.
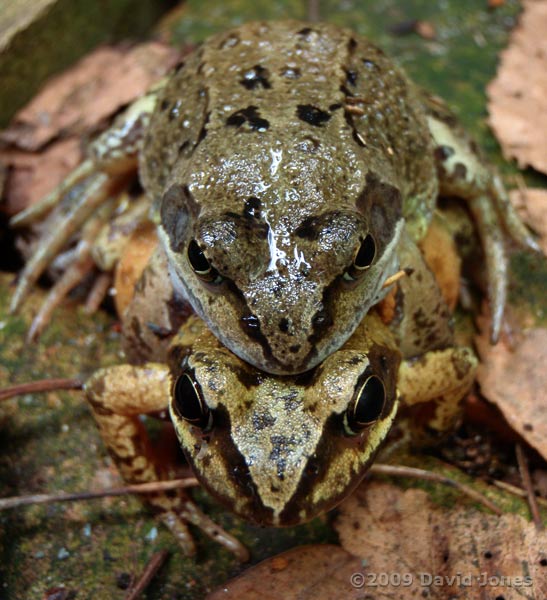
(411, 548)
(319, 572)
(518, 95)
(515, 380)
(33, 175)
(95, 88)
(531, 205)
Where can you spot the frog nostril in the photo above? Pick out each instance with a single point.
(284, 325)
(321, 320)
(251, 324)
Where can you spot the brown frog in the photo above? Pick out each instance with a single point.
(283, 161)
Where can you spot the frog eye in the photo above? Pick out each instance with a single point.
(368, 406)
(198, 260)
(202, 267)
(188, 402)
(365, 255)
(363, 258)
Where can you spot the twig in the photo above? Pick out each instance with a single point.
(513, 489)
(397, 471)
(150, 570)
(396, 276)
(140, 488)
(527, 485)
(42, 385)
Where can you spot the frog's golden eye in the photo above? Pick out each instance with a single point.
(188, 402)
(368, 406)
(201, 266)
(363, 259)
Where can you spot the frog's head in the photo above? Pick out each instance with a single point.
(283, 286)
(281, 450)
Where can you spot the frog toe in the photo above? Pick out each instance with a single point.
(63, 224)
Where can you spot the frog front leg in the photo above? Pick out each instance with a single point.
(432, 387)
(117, 396)
(112, 158)
(463, 173)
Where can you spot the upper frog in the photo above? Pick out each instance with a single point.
(280, 210)
(283, 161)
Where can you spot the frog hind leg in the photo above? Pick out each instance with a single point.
(112, 159)
(463, 173)
(433, 386)
(117, 396)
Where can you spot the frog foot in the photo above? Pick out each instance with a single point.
(465, 174)
(92, 207)
(117, 397)
(86, 195)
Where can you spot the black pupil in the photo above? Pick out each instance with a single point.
(188, 402)
(197, 259)
(370, 402)
(366, 253)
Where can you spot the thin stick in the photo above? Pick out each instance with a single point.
(148, 574)
(140, 488)
(42, 385)
(527, 485)
(397, 471)
(396, 276)
(513, 489)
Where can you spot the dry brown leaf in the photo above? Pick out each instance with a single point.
(531, 205)
(33, 175)
(413, 549)
(92, 90)
(320, 572)
(516, 381)
(518, 95)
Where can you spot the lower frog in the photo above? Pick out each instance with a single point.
(282, 161)
(279, 450)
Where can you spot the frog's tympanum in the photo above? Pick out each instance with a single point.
(283, 161)
(290, 168)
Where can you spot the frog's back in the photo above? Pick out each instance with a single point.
(288, 78)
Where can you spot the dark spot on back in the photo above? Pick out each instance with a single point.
(252, 207)
(312, 115)
(352, 44)
(164, 104)
(294, 349)
(443, 152)
(179, 66)
(307, 230)
(334, 107)
(256, 77)
(305, 31)
(250, 116)
(351, 76)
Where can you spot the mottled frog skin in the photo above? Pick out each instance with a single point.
(283, 161)
(279, 450)
(256, 154)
